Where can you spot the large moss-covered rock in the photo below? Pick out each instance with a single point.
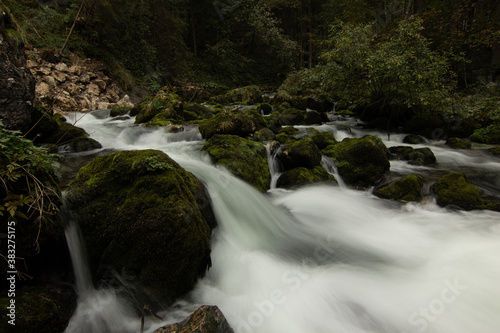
(490, 134)
(455, 190)
(458, 143)
(293, 116)
(264, 135)
(246, 159)
(40, 309)
(302, 176)
(234, 122)
(141, 213)
(197, 112)
(244, 95)
(419, 156)
(207, 319)
(165, 105)
(360, 162)
(323, 139)
(408, 188)
(302, 153)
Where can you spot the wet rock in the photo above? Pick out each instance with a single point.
(360, 162)
(142, 214)
(413, 139)
(323, 139)
(163, 109)
(455, 190)
(244, 95)
(302, 153)
(233, 122)
(207, 319)
(419, 156)
(408, 188)
(246, 159)
(303, 176)
(458, 143)
(292, 116)
(264, 135)
(489, 135)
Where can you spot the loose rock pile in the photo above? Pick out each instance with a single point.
(74, 85)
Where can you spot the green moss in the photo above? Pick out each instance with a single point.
(117, 111)
(458, 143)
(495, 150)
(293, 116)
(419, 156)
(455, 190)
(323, 139)
(490, 134)
(360, 162)
(160, 119)
(303, 176)
(408, 188)
(166, 103)
(139, 211)
(264, 135)
(233, 122)
(244, 158)
(302, 153)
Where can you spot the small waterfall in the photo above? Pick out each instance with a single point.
(274, 165)
(98, 310)
(329, 165)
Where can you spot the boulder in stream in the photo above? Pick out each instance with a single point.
(301, 153)
(361, 162)
(233, 122)
(142, 214)
(455, 190)
(246, 159)
(419, 156)
(408, 188)
(303, 176)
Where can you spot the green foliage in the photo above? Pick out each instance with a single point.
(25, 174)
(392, 73)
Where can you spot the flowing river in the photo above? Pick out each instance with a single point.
(320, 258)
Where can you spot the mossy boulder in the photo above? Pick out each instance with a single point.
(197, 112)
(232, 122)
(168, 104)
(323, 139)
(301, 153)
(264, 135)
(293, 116)
(142, 214)
(495, 151)
(303, 176)
(117, 111)
(361, 162)
(458, 143)
(244, 95)
(408, 188)
(313, 118)
(419, 156)
(489, 134)
(413, 139)
(246, 159)
(40, 309)
(454, 189)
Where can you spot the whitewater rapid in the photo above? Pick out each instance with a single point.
(323, 258)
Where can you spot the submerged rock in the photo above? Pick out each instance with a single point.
(142, 214)
(207, 319)
(408, 188)
(302, 176)
(246, 159)
(233, 122)
(360, 162)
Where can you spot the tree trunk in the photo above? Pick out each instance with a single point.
(195, 48)
(72, 27)
(309, 35)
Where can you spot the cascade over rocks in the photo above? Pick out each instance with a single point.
(142, 214)
(207, 319)
(360, 162)
(246, 159)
